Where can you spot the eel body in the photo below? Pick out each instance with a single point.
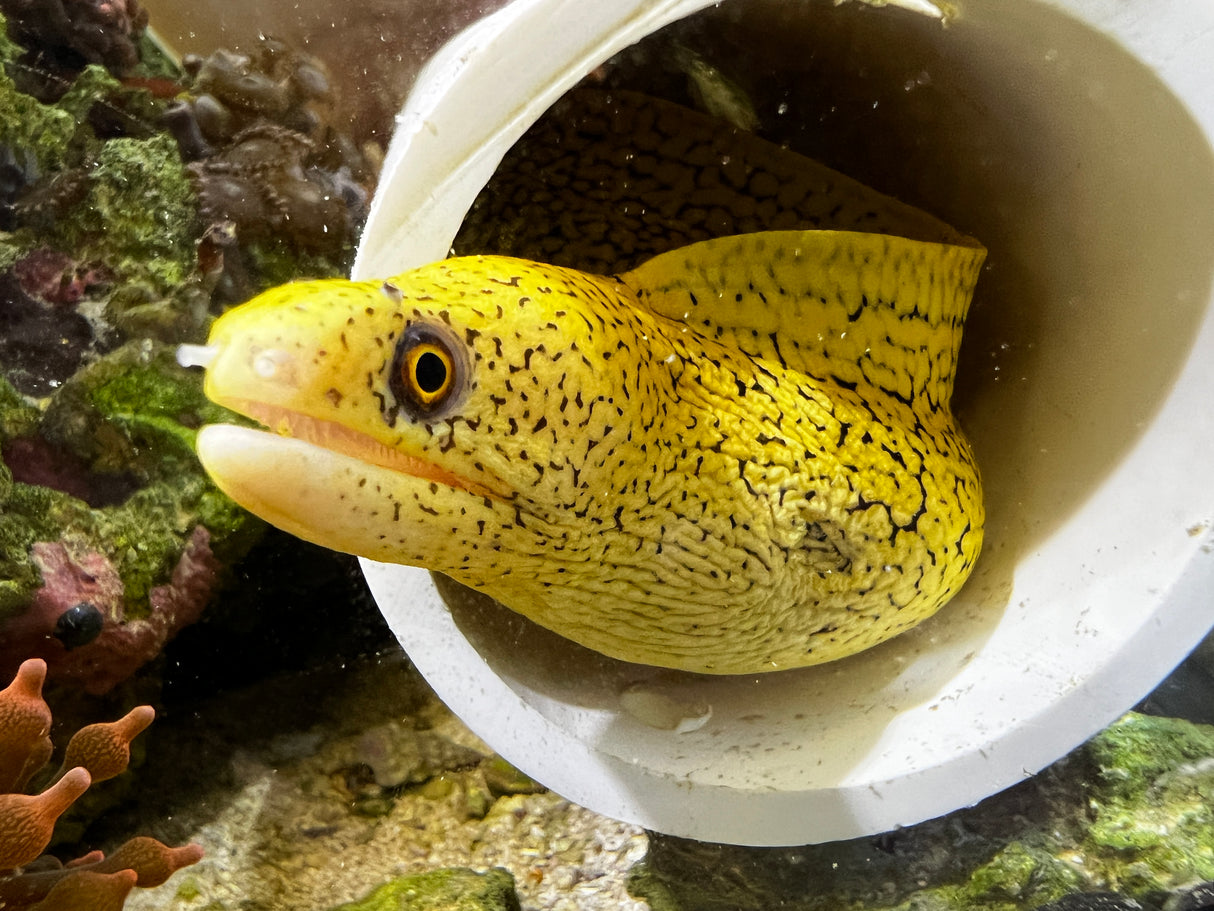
(736, 457)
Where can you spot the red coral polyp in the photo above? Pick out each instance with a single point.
(30, 881)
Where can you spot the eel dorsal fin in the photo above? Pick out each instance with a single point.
(840, 306)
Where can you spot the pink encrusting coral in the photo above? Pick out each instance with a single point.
(30, 881)
(87, 583)
(55, 278)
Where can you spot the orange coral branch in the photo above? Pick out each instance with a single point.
(25, 724)
(84, 890)
(105, 749)
(151, 860)
(96, 752)
(27, 821)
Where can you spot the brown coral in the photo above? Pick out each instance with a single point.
(262, 183)
(266, 157)
(275, 84)
(27, 821)
(80, 31)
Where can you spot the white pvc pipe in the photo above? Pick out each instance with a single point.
(1049, 641)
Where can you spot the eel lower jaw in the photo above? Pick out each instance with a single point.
(337, 438)
(332, 499)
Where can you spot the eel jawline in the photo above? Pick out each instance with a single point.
(343, 440)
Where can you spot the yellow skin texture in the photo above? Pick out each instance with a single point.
(737, 458)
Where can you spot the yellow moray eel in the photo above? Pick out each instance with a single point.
(737, 457)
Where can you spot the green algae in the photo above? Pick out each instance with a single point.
(24, 520)
(502, 779)
(188, 889)
(1019, 875)
(1140, 751)
(37, 135)
(140, 214)
(154, 61)
(453, 889)
(133, 410)
(9, 49)
(132, 415)
(93, 84)
(31, 514)
(1130, 812)
(17, 416)
(1154, 811)
(143, 537)
(278, 262)
(137, 212)
(11, 250)
(49, 136)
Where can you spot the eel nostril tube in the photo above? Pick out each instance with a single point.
(196, 355)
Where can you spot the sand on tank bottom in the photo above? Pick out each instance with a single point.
(308, 792)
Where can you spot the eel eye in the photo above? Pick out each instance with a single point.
(429, 372)
(426, 370)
